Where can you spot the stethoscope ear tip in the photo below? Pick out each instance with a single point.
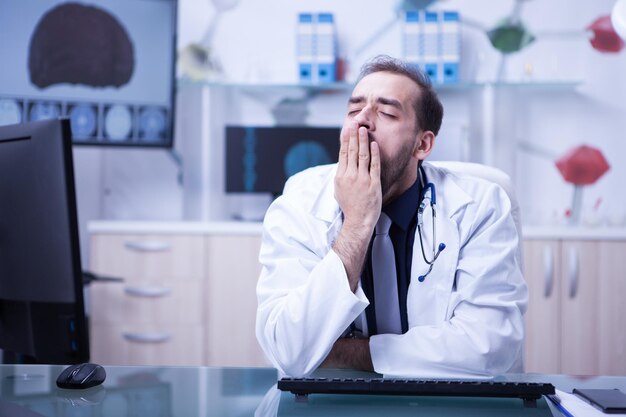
(442, 246)
(421, 278)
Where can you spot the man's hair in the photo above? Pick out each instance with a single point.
(428, 108)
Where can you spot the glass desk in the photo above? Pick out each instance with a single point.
(30, 391)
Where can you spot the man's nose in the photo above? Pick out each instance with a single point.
(364, 119)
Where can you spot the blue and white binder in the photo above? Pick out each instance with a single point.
(306, 48)
(430, 41)
(450, 47)
(412, 38)
(317, 48)
(326, 56)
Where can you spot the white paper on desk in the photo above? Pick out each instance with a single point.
(578, 407)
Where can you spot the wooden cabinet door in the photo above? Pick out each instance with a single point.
(611, 287)
(230, 293)
(543, 338)
(580, 328)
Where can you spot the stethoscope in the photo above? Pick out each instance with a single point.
(428, 196)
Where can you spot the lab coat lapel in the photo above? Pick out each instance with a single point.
(427, 301)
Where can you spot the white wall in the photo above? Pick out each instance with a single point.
(256, 41)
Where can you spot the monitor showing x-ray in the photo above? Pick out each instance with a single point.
(261, 159)
(107, 65)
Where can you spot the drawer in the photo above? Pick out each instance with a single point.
(140, 256)
(147, 345)
(147, 302)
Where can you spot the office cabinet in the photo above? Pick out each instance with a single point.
(575, 320)
(155, 316)
(188, 297)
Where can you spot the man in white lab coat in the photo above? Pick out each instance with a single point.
(461, 315)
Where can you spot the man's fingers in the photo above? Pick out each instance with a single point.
(344, 139)
(353, 148)
(375, 161)
(364, 151)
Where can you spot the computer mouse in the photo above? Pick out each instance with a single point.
(81, 376)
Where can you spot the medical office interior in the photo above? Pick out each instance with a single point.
(534, 87)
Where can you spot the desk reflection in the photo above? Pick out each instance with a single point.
(276, 403)
(132, 391)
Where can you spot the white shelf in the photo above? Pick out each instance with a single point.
(346, 86)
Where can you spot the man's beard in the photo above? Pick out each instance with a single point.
(393, 168)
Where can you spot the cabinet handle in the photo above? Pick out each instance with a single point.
(147, 338)
(572, 259)
(148, 246)
(548, 271)
(151, 292)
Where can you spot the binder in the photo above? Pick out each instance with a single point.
(412, 38)
(317, 48)
(306, 48)
(326, 53)
(450, 47)
(430, 42)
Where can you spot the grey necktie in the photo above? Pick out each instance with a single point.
(385, 279)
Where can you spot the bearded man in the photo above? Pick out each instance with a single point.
(357, 270)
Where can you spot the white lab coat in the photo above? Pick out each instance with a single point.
(465, 319)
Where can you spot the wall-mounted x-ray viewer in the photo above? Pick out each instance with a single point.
(109, 66)
(260, 159)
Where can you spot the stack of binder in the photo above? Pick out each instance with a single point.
(317, 48)
(432, 41)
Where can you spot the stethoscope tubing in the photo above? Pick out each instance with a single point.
(428, 188)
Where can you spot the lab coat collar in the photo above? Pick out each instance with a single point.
(451, 197)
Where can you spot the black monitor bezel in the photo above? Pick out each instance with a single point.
(31, 349)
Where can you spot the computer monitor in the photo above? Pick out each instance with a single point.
(108, 65)
(42, 315)
(260, 159)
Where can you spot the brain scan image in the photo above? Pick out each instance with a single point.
(152, 124)
(43, 111)
(83, 119)
(118, 123)
(10, 112)
(80, 44)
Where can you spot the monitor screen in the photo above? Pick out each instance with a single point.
(260, 159)
(42, 313)
(107, 65)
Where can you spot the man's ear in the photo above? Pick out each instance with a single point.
(424, 145)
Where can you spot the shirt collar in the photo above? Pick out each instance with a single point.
(404, 208)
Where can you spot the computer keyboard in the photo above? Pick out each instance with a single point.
(528, 391)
